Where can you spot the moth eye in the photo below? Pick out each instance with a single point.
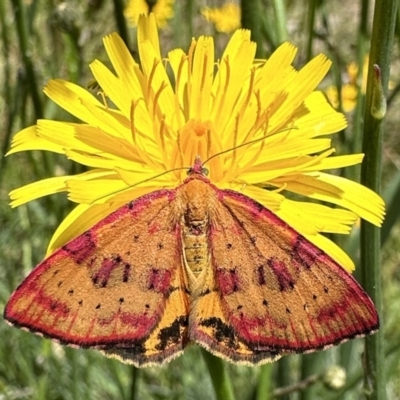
(204, 171)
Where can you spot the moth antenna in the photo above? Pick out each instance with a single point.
(178, 142)
(143, 181)
(261, 148)
(245, 144)
(235, 137)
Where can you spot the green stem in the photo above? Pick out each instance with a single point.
(311, 364)
(219, 376)
(75, 374)
(264, 382)
(281, 22)
(380, 54)
(354, 378)
(252, 19)
(189, 14)
(284, 375)
(125, 391)
(392, 201)
(134, 382)
(6, 91)
(310, 22)
(120, 20)
(23, 38)
(362, 46)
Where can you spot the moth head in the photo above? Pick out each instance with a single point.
(198, 168)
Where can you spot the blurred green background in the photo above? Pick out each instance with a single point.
(46, 39)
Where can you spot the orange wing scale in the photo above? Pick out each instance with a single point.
(193, 264)
(117, 286)
(278, 292)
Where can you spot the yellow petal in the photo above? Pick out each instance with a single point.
(321, 118)
(280, 59)
(116, 89)
(179, 65)
(269, 199)
(95, 161)
(93, 186)
(84, 216)
(144, 176)
(129, 102)
(279, 66)
(63, 135)
(29, 139)
(159, 93)
(147, 31)
(38, 189)
(105, 145)
(341, 191)
(109, 122)
(225, 18)
(202, 71)
(81, 218)
(336, 162)
(271, 165)
(158, 84)
(333, 250)
(125, 66)
(231, 80)
(327, 219)
(307, 79)
(293, 215)
(71, 97)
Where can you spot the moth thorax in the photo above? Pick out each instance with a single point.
(195, 245)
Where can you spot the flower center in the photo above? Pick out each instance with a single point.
(199, 128)
(196, 138)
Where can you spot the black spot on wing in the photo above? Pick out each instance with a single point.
(221, 331)
(127, 272)
(172, 334)
(261, 275)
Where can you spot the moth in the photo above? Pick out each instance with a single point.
(195, 264)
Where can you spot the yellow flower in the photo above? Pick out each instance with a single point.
(349, 90)
(162, 10)
(156, 126)
(226, 18)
